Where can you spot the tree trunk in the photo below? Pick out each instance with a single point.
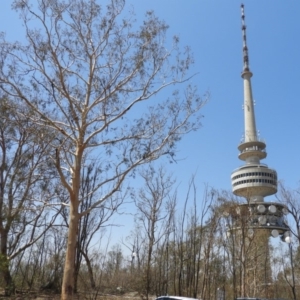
(4, 265)
(9, 284)
(69, 269)
(76, 269)
(90, 270)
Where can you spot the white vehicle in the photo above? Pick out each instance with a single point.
(174, 298)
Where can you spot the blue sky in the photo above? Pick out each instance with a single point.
(212, 28)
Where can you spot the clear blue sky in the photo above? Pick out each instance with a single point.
(213, 30)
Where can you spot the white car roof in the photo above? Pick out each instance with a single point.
(175, 298)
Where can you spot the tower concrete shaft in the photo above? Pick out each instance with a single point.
(249, 115)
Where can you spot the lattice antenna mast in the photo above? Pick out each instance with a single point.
(245, 48)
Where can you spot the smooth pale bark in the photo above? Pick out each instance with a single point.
(68, 278)
(69, 269)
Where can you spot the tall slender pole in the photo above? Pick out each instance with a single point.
(224, 273)
(167, 253)
(293, 271)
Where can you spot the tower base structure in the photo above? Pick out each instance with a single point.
(250, 226)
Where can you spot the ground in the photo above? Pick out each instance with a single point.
(36, 296)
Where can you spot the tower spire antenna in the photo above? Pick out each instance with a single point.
(245, 48)
(249, 115)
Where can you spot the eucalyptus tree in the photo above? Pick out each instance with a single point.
(201, 241)
(86, 72)
(195, 243)
(92, 223)
(25, 184)
(155, 210)
(290, 197)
